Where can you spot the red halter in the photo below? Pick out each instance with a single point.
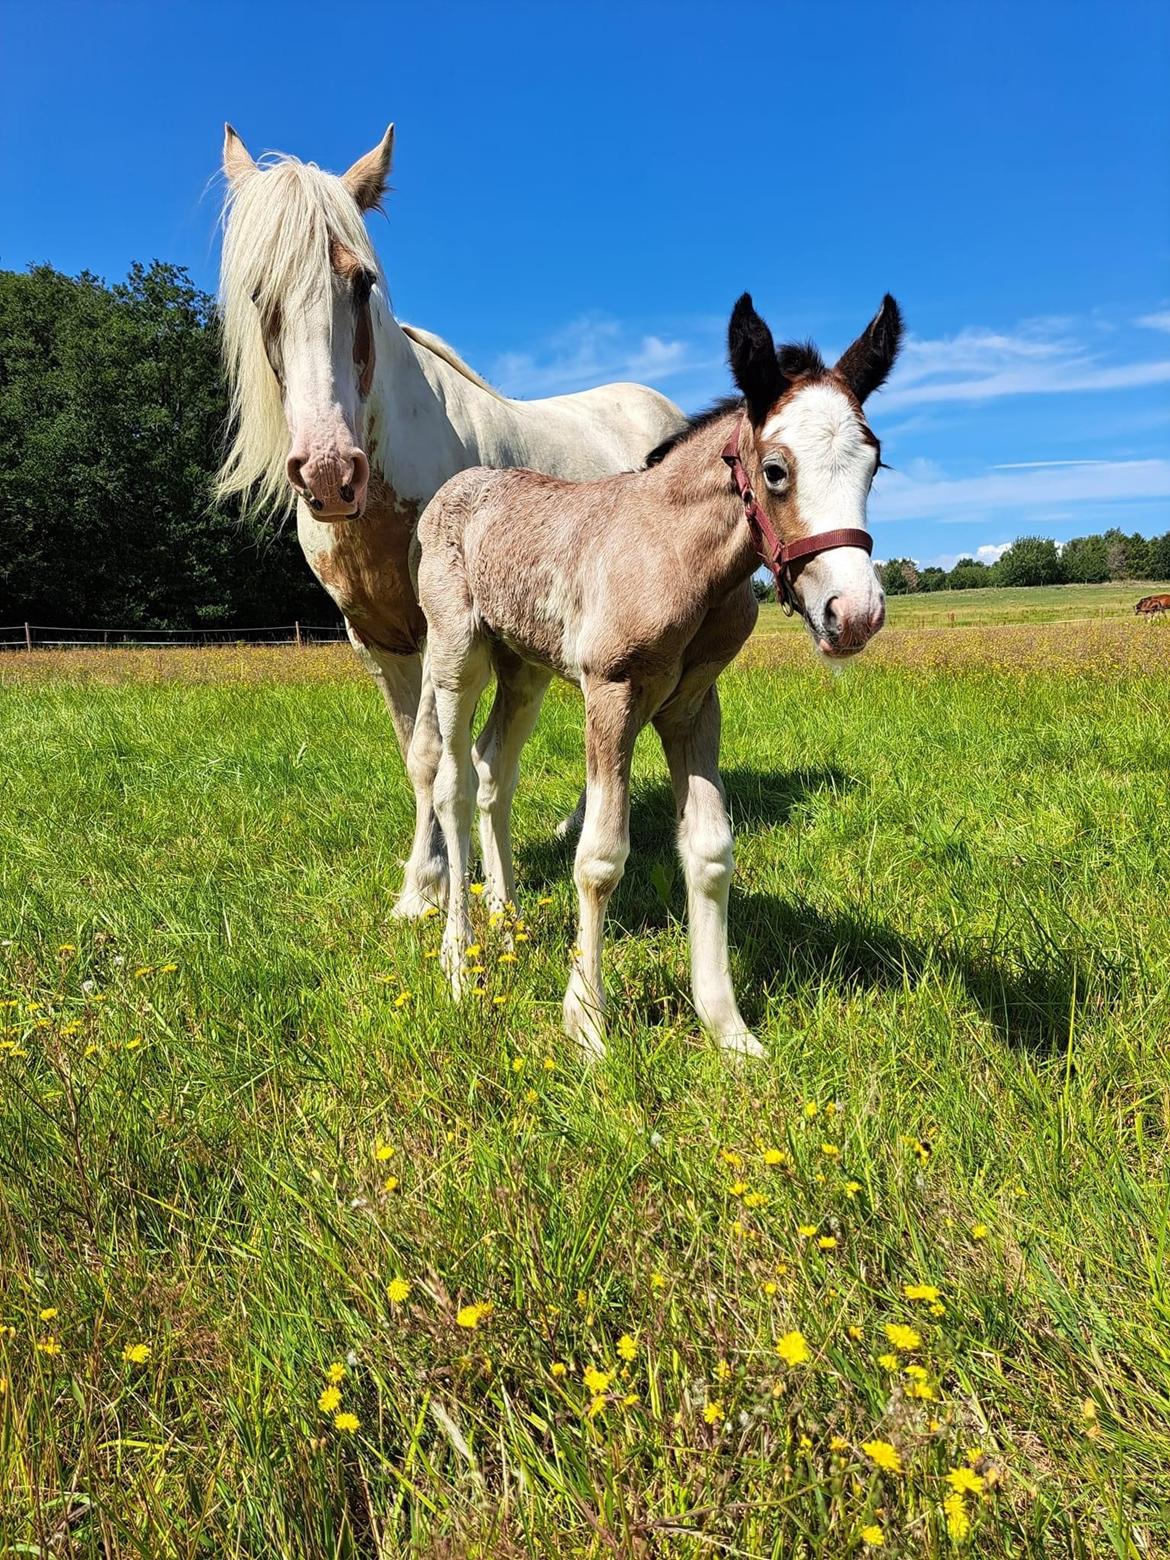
(778, 555)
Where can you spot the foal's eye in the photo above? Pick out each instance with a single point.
(775, 474)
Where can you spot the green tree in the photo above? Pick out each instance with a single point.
(1031, 560)
(1084, 560)
(969, 574)
(899, 577)
(112, 407)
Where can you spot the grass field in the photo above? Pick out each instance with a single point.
(903, 1285)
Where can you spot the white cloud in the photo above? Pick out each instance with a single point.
(1159, 321)
(899, 496)
(991, 552)
(590, 351)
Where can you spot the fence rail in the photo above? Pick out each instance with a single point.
(39, 636)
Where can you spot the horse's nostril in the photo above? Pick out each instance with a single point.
(347, 494)
(293, 468)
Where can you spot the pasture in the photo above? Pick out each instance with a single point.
(301, 1260)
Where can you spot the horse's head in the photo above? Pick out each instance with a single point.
(299, 282)
(810, 459)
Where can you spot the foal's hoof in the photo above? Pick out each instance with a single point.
(416, 902)
(585, 1025)
(451, 960)
(741, 1044)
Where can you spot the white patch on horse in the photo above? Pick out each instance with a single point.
(835, 462)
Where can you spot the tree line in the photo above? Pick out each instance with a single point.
(1038, 560)
(112, 414)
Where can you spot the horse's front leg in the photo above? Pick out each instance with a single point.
(612, 722)
(691, 743)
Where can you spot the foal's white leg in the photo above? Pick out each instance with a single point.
(611, 725)
(520, 691)
(457, 689)
(425, 885)
(704, 844)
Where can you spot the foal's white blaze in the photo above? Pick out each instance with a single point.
(834, 466)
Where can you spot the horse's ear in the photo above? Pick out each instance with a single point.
(366, 180)
(752, 354)
(237, 159)
(866, 365)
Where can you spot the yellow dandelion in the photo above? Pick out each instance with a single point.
(793, 1349)
(827, 1242)
(966, 1481)
(730, 1157)
(397, 1290)
(402, 999)
(855, 1332)
(916, 1372)
(774, 1156)
(330, 1400)
(754, 1200)
(806, 1230)
(920, 1291)
(657, 1281)
(472, 951)
(905, 1339)
(958, 1522)
(838, 1443)
(545, 899)
(428, 914)
(629, 1400)
(812, 1109)
(888, 1361)
(346, 1423)
(626, 1347)
(713, 1413)
(48, 1346)
(597, 1406)
(521, 937)
(980, 1232)
(597, 1381)
(722, 1370)
(768, 1287)
(335, 1372)
(830, 1151)
(384, 1151)
(872, 1536)
(472, 1315)
(852, 1188)
(922, 1390)
(738, 1188)
(883, 1455)
(476, 889)
(548, 1064)
(938, 1309)
(390, 1184)
(136, 1353)
(48, 1313)
(557, 1369)
(517, 1064)
(507, 958)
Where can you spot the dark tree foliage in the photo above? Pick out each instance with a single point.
(112, 411)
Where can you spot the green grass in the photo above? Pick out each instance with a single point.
(951, 930)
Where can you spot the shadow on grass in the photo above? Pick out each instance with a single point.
(785, 944)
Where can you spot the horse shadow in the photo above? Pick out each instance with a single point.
(783, 943)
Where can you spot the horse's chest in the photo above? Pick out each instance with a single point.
(364, 565)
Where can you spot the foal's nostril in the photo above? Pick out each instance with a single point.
(832, 617)
(347, 494)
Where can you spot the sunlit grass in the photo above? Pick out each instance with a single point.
(663, 1306)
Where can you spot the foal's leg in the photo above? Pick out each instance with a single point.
(612, 722)
(520, 691)
(691, 743)
(425, 886)
(460, 674)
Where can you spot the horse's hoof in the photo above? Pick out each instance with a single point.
(586, 1026)
(415, 903)
(741, 1044)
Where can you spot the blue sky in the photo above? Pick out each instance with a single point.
(582, 191)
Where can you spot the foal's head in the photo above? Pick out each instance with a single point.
(297, 278)
(811, 460)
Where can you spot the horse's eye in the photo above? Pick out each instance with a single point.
(775, 474)
(363, 285)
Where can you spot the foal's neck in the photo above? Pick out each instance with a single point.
(707, 513)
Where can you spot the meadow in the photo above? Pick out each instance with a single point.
(301, 1260)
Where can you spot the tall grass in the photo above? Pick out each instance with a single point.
(236, 1103)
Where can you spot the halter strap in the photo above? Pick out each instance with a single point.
(776, 554)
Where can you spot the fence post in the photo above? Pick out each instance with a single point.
(27, 637)
(297, 630)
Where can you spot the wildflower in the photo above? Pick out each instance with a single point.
(738, 1188)
(548, 1064)
(517, 1064)
(67, 948)
(330, 1400)
(557, 1369)
(629, 1400)
(754, 1200)
(384, 1151)
(888, 1361)
(731, 1158)
(429, 913)
(402, 999)
(856, 1332)
(545, 899)
(958, 1522)
(48, 1313)
(472, 951)
(530, 1095)
(397, 1290)
(975, 1455)
(883, 1455)
(920, 1291)
(347, 1423)
(872, 1536)
(335, 1372)
(768, 1287)
(812, 1109)
(852, 1188)
(507, 958)
(167, 969)
(136, 1353)
(657, 1281)
(722, 1370)
(48, 1346)
(713, 1413)
(143, 969)
(979, 1232)
(476, 888)
(966, 1481)
(597, 1406)
(472, 1315)
(626, 1347)
(938, 1309)
(827, 1242)
(838, 1443)
(793, 1349)
(390, 1184)
(830, 1151)
(903, 1338)
(596, 1380)
(773, 1156)
(806, 1230)
(922, 1390)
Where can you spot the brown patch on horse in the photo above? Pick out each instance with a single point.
(366, 571)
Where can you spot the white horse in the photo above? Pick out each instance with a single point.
(359, 420)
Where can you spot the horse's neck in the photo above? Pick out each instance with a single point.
(708, 527)
(426, 420)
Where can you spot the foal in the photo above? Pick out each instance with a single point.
(638, 588)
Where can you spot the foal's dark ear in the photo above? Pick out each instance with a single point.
(752, 354)
(866, 365)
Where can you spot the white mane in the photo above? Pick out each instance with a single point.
(277, 225)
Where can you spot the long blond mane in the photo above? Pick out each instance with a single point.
(278, 222)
